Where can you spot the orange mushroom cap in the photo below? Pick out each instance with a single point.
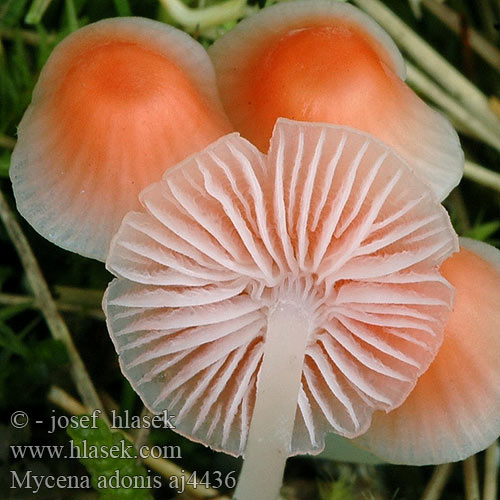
(454, 410)
(269, 300)
(328, 62)
(117, 103)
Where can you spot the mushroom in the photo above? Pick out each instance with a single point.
(328, 62)
(267, 300)
(117, 103)
(454, 410)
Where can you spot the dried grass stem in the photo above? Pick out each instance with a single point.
(437, 482)
(48, 307)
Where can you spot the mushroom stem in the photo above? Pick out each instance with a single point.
(271, 428)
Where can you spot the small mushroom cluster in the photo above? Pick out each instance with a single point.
(298, 279)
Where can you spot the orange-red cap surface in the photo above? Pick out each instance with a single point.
(454, 410)
(328, 62)
(117, 103)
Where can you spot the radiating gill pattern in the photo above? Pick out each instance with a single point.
(332, 221)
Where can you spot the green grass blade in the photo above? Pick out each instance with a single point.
(122, 7)
(36, 11)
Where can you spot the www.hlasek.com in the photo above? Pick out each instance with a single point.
(121, 450)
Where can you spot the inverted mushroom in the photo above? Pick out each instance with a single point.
(268, 300)
(454, 410)
(117, 103)
(328, 62)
